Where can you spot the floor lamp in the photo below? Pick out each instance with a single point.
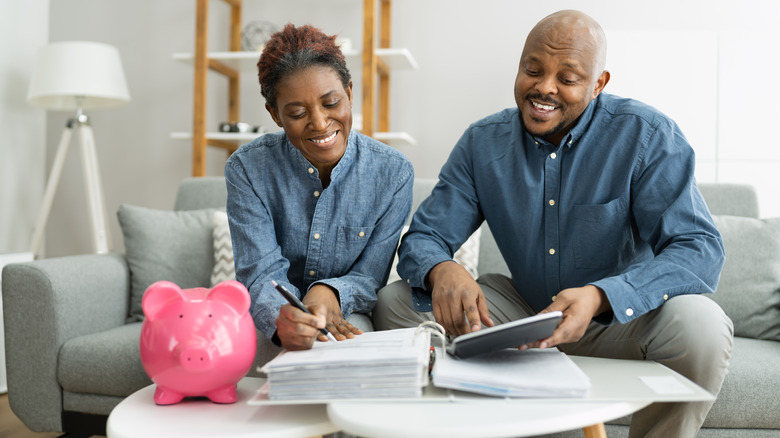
(77, 75)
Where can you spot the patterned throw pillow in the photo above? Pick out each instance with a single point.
(224, 267)
(467, 255)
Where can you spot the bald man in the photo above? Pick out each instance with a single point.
(594, 207)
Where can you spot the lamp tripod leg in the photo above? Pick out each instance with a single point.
(95, 199)
(51, 188)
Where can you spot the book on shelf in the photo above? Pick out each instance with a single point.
(400, 365)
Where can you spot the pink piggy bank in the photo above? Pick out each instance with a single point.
(197, 342)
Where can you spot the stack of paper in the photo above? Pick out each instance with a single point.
(513, 373)
(385, 364)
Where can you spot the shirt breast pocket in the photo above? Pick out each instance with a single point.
(602, 234)
(351, 241)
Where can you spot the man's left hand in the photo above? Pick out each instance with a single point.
(579, 305)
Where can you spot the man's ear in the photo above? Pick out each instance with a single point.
(274, 115)
(601, 82)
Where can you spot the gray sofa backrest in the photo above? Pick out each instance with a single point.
(730, 199)
(202, 192)
(722, 199)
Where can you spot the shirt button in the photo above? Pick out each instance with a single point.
(311, 273)
(552, 202)
(553, 297)
(316, 236)
(571, 142)
(316, 194)
(629, 311)
(361, 234)
(553, 155)
(666, 297)
(311, 170)
(552, 251)
(408, 280)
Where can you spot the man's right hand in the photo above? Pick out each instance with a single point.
(458, 302)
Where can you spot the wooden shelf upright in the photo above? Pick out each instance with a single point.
(376, 72)
(202, 64)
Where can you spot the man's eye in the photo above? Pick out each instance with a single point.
(332, 104)
(531, 72)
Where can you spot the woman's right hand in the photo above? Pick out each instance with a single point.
(323, 295)
(297, 329)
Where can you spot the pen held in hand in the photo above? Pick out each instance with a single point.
(292, 299)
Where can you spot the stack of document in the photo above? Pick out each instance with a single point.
(513, 373)
(381, 365)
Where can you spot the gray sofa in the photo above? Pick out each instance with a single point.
(72, 351)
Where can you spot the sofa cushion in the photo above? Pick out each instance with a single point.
(104, 363)
(224, 264)
(166, 245)
(749, 288)
(467, 255)
(748, 397)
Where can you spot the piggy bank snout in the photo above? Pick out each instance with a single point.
(196, 358)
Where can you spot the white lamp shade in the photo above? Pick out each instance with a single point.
(67, 71)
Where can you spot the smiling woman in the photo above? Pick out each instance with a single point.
(316, 208)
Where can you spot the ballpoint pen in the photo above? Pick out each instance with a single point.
(292, 299)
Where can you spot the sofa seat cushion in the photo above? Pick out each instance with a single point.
(749, 396)
(105, 363)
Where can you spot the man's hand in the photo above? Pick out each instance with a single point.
(296, 329)
(320, 294)
(579, 305)
(454, 294)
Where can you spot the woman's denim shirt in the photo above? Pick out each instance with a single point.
(286, 227)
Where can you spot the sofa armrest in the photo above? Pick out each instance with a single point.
(46, 303)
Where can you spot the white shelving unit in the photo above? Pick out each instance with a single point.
(375, 60)
(395, 59)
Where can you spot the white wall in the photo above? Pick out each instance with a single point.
(22, 128)
(711, 62)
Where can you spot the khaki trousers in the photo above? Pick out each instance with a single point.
(689, 334)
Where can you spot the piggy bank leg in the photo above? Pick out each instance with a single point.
(226, 394)
(166, 396)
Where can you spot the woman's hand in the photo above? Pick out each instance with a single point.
(322, 295)
(297, 329)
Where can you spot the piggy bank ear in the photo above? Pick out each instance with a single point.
(233, 293)
(158, 295)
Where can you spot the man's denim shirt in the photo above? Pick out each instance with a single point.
(286, 227)
(614, 205)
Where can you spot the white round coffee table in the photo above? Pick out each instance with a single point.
(474, 419)
(138, 416)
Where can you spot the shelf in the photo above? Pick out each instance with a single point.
(397, 59)
(375, 61)
(394, 137)
(247, 61)
(223, 136)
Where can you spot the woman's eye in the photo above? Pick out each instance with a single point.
(332, 104)
(296, 115)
